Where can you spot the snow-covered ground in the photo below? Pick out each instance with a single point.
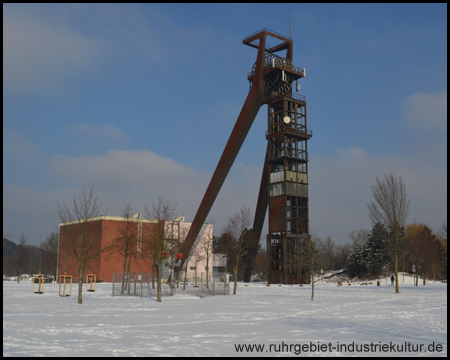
(282, 318)
(343, 276)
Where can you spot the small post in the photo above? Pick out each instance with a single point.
(113, 285)
(64, 278)
(93, 278)
(60, 284)
(40, 278)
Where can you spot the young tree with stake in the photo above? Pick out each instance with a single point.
(80, 237)
(235, 227)
(126, 242)
(155, 237)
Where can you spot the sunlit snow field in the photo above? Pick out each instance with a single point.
(282, 318)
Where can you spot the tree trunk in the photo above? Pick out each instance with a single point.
(158, 296)
(253, 251)
(185, 272)
(235, 275)
(396, 270)
(123, 275)
(128, 273)
(207, 272)
(153, 274)
(80, 286)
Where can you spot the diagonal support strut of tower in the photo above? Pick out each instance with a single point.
(255, 99)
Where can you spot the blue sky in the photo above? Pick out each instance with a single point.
(139, 100)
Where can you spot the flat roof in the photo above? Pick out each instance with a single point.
(107, 217)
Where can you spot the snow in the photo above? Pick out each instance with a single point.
(185, 325)
(344, 277)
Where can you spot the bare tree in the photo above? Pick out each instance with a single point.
(261, 267)
(50, 253)
(442, 232)
(21, 256)
(155, 237)
(359, 237)
(7, 261)
(80, 239)
(312, 260)
(204, 252)
(224, 244)
(425, 251)
(235, 227)
(125, 244)
(390, 208)
(178, 231)
(326, 253)
(342, 253)
(187, 256)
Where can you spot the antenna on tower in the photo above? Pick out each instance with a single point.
(289, 23)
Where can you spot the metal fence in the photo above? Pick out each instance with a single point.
(145, 284)
(216, 284)
(132, 284)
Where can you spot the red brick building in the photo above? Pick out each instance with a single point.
(101, 232)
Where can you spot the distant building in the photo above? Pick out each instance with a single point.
(201, 259)
(110, 228)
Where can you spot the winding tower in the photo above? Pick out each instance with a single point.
(284, 181)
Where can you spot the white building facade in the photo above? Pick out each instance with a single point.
(200, 262)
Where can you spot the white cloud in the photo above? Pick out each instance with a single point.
(44, 46)
(17, 149)
(426, 111)
(38, 54)
(30, 211)
(107, 131)
(340, 188)
(425, 117)
(139, 176)
(144, 175)
(353, 154)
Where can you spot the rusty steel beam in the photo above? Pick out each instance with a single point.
(255, 99)
(260, 214)
(262, 203)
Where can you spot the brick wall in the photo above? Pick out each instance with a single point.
(100, 234)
